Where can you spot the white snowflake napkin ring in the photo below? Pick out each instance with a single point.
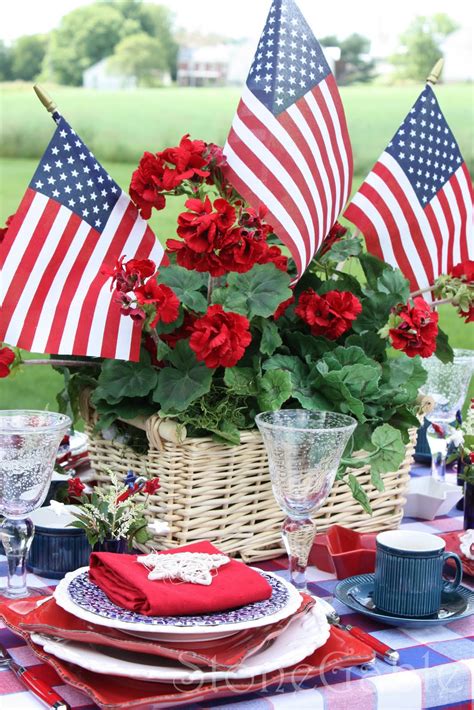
(195, 567)
(467, 544)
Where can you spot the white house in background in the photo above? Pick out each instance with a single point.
(223, 64)
(102, 76)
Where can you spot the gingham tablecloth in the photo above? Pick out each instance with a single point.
(436, 664)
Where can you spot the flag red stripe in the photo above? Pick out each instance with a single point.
(463, 216)
(70, 287)
(316, 131)
(34, 312)
(292, 129)
(275, 186)
(435, 228)
(417, 235)
(339, 173)
(243, 189)
(443, 201)
(332, 86)
(355, 214)
(114, 251)
(29, 258)
(109, 343)
(15, 224)
(379, 203)
(265, 136)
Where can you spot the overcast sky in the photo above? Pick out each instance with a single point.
(380, 20)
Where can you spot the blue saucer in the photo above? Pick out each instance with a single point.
(355, 591)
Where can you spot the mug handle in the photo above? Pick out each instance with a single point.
(449, 586)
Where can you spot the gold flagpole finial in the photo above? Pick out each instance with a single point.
(435, 73)
(45, 99)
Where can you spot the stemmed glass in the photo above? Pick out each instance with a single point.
(304, 450)
(29, 442)
(447, 384)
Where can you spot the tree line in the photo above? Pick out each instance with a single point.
(139, 38)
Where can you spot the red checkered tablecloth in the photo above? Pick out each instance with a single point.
(436, 664)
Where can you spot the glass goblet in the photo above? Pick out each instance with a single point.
(304, 450)
(447, 384)
(29, 442)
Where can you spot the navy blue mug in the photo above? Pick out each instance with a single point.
(409, 573)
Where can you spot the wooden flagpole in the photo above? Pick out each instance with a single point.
(45, 99)
(435, 73)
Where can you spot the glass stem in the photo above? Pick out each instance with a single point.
(16, 537)
(438, 466)
(298, 536)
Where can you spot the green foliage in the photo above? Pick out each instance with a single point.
(353, 65)
(119, 379)
(27, 56)
(5, 62)
(444, 350)
(187, 285)
(420, 45)
(258, 292)
(141, 56)
(182, 383)
(271, 338)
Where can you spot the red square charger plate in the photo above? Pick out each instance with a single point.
(116, 693)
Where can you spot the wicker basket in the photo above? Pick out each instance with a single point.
(223, 493)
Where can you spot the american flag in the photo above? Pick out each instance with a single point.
(415, 206)
(288, 147)
(73, 220)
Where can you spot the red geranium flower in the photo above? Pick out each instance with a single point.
(334, 235)
(273, 255)
(4, 229)
(141, 268)
(254, 221)
(467, 315)
(219, 338)
(329, 315)
(146, 184)
(241, 251)
(215, 156)
(188, 159)
(181, 333)
(75, 487)
(162, 297)
(191, 260)
(280, 311)
(417, 331)
(201, 227)
(464, 271)
(151, 486)
(7, 356)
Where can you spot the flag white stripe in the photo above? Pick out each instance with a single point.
(467, 199)
(300, 121)
(369, 209)
(266, 197)
(282, 135)
(454, 209)
(36, 274)
(313, 105)
(90, 272)
(99, 319)
(443, 228)
(386, 195)
(425, 227)
(22, 239)
(53, 298)
(340, 141)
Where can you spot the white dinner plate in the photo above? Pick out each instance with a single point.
(301, 637)
(80, 597)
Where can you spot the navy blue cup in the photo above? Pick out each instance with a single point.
(409, 573)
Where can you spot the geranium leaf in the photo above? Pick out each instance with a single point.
(375, 313)
(180, 385)
(231, 300)
(390, 450)
(358, 493)
(373, 346)
(262, 289)
(372, 267)
(186, 285)
(307, 396)
(394, 283)
(309, 347)
(444, 351)
(271, 339)
(344, 356)
(119, 379)
(241, 380)
(275, 388)
(343, 249)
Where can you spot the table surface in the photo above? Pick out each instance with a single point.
(436, 667)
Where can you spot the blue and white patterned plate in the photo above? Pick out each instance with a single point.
(81, 597)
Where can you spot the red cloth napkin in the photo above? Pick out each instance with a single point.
(126, 583)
